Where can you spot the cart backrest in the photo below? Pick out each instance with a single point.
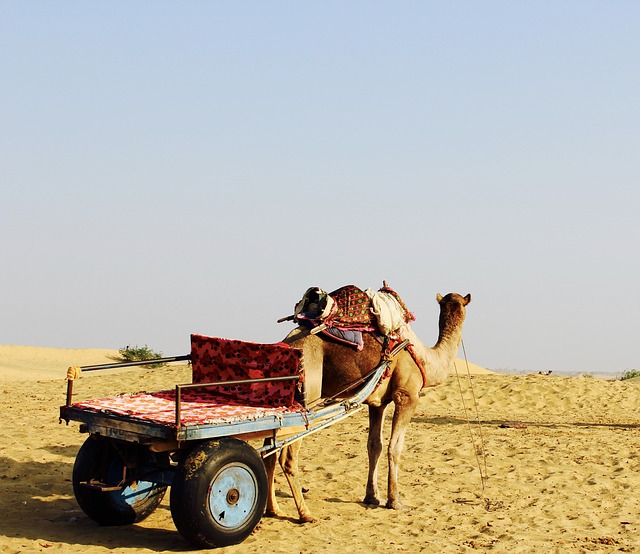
(215, 359)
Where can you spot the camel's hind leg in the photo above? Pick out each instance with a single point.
(405, 406)
(273, 509)
(374, 449)
(289, 463)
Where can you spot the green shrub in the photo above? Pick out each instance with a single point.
(629, 374)
(140, 353)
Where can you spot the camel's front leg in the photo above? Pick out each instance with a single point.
(374, 449)
(405, 406)
(289, 463)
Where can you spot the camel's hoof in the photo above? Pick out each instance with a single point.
(307, 518)
(273, 512)
(372, 500)
(394, 505)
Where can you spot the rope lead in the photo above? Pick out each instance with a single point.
(482, 465)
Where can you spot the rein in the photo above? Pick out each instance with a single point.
(481, 450)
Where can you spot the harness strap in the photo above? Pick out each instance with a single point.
(411, 349)
(422, 369)
(386, 359)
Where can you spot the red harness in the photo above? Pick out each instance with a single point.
(411, 349)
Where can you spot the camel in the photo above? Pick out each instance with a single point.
(340, 365)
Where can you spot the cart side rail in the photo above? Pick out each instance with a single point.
(189, 386)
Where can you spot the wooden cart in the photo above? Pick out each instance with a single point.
(194, 438)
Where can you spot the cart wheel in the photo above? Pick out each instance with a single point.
(219, 493)
(98, 461)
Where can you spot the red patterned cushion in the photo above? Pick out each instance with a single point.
(214, 359)
(196, 408)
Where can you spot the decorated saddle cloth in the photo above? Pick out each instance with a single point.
(349, 311)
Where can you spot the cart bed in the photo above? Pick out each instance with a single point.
(239, 389)
(196, 408)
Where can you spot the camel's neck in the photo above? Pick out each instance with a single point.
(450, 334)
(438, 361)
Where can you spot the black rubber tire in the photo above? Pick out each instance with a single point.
(219, 493)
(99, 460)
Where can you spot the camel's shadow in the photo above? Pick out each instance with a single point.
(362, 504)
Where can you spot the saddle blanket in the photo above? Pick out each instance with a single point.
(349, 311)
(348, 336)
(350, 308)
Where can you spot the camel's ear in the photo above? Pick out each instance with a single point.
(467, 299)
(439, 298)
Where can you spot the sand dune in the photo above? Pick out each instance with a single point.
(32, 362)
(561, 456)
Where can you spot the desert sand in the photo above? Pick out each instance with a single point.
(559, 458)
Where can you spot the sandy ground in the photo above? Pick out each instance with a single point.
(560, 456)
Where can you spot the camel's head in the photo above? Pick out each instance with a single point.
(454, 297)
(452, 307)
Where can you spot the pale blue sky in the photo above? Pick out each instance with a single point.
(179, 167)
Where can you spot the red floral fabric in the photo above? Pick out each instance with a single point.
(196, 408)
(214, 359)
